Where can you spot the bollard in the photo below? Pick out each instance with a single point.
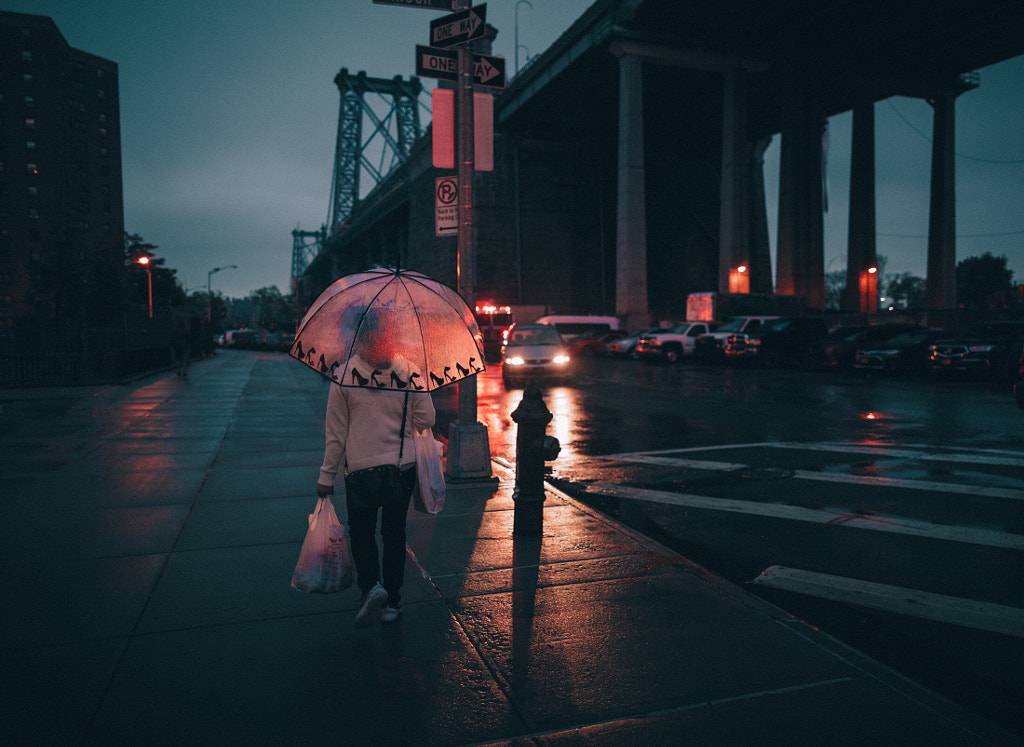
(532, 449)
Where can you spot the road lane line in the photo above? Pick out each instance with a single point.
(1012, 494)
(968, 456)
(835, 516)
(995, 618)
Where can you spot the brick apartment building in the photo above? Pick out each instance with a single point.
(61, 202)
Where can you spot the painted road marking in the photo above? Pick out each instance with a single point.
(834, 516)
(655, 458)
(995, 618)
(923, 452)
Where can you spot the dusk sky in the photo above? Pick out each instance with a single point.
(229, 116)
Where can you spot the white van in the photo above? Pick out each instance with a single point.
(574, 326)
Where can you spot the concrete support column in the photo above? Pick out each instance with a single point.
(941, 282)
(631, 232)
(734, 189)
(800, 254)
(860, 248)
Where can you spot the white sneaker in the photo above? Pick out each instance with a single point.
(372, 603)
(390, 612)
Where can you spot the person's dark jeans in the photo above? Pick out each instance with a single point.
(362, 524)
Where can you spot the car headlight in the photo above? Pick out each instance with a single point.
(560, 359)
(515, 360)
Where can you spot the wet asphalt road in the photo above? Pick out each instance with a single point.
(913, 486)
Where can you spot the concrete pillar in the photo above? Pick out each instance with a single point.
(860, 248)
(941, 281)
(734, 188)
(800, 253)
(631, 231)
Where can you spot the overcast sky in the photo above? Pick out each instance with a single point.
(229, 116)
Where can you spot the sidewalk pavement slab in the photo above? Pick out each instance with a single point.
(146, 574)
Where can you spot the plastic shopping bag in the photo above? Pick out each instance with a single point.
(429, 492)
(325, 562)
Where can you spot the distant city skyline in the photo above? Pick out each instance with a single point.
(229, 117)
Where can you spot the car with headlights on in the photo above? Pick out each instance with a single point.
(534, 352)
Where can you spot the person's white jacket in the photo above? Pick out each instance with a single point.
(362, 428)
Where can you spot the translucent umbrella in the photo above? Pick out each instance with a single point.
(390, 329)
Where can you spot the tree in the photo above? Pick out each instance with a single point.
(272, 310)
(835, 286)
(907, 291)
(983, 282)
(167, 291)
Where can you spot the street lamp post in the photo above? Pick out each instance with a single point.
(144, 261)
(209, 294)
(521, 2)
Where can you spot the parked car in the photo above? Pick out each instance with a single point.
(534, 351)
(841, 345)
(592, 343)
(711, 346)
(795, 341)
(278, 341)
(904, 353)
(625, 347)
(671, 344)
(992, 350)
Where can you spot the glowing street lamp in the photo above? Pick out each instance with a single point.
(739, 280)
(868, 286)
(144, 261)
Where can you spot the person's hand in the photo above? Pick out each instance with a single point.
(322, 491)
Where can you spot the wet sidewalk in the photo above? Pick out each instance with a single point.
(150, 535)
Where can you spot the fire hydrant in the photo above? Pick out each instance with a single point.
(533, 448)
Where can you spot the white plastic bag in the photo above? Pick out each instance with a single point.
(429, 493)
(325, 561)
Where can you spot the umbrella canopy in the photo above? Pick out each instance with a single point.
(390, 329)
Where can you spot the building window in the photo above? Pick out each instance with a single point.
(30, 101)
(30, 144)
(27, 77)
(33, 168)
(101, 93)
(26, 57)
(103, 118)
(30, 123)
(33, 213)
(33, 191)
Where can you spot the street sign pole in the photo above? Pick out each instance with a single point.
(464, 99)
(469, 455)
(466, 258)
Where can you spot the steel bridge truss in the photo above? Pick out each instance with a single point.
(392, 135)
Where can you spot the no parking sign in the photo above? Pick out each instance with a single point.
(446, 206)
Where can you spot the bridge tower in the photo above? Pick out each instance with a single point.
(397, 129)
(305, 246)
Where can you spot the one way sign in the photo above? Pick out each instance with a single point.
(432, 62)
(458, 28)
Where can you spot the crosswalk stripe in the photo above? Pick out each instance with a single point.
(970, 613)
(887, 482)
(833, 516)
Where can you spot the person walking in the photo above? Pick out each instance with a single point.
(181, 348)
(368, 431)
